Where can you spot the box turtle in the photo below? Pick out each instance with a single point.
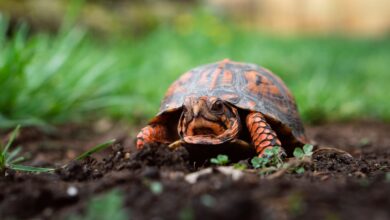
(226, 102)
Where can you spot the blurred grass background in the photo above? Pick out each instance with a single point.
(71, 71)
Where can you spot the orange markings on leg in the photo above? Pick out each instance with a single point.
(261, 154)
(262, 146)
(265, 144)
(255, 126)
(262, 136)
(256, 119)
(261, 132)
(266, 131)
(257, 142)
(150, 134)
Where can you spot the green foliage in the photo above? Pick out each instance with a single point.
(300, 154)
(271, 159)
(53, 79)
(240, 166)
(107, 206)
(221, 159)
(299, 170)
(306, 151)
(95, 149)
(10, 159)
(156, 187)
(259, 162)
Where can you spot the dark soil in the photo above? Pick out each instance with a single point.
(334, 185)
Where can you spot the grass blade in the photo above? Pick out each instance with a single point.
(12, 155)
(17, 160)
(14, 133)
(30, 169)
(95, 149)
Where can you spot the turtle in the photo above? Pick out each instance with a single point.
(224, 102)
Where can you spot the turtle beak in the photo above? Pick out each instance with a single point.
(196, 110)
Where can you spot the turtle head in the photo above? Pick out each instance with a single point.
(208, 120)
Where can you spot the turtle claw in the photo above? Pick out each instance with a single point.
(175, 145)
(282, 154)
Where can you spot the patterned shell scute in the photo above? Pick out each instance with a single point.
(246, 86)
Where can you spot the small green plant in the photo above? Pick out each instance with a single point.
(306, 151)
(299, 170)
(271, 159)
(270, 163)
(9, 159)
(259, 162)
(300, 154)
(95, 149)
(240, 166)
(221, 159)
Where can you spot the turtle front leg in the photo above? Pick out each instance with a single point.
(263, 137)
(152, 133)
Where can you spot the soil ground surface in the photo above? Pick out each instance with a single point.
(334, 185)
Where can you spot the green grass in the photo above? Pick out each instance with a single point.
(10, 159)
(72, 76)
(95, 149)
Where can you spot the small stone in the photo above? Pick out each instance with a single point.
(72, 191)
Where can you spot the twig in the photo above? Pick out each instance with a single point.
(291, 164)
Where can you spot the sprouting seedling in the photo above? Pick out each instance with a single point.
(240, 166)
(95, 149)
(10, 159)
(271, 159)
(271, 162)
(221, 159)
(306, 151)
(300, 154)
(299, 170)
(259, 162)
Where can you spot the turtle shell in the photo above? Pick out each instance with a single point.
(246, 86)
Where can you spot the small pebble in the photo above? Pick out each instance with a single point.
(72, 191)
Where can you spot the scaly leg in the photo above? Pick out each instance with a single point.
(263, 137)
(152, 133)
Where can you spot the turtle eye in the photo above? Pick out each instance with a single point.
(185, 110)
(217, 106)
